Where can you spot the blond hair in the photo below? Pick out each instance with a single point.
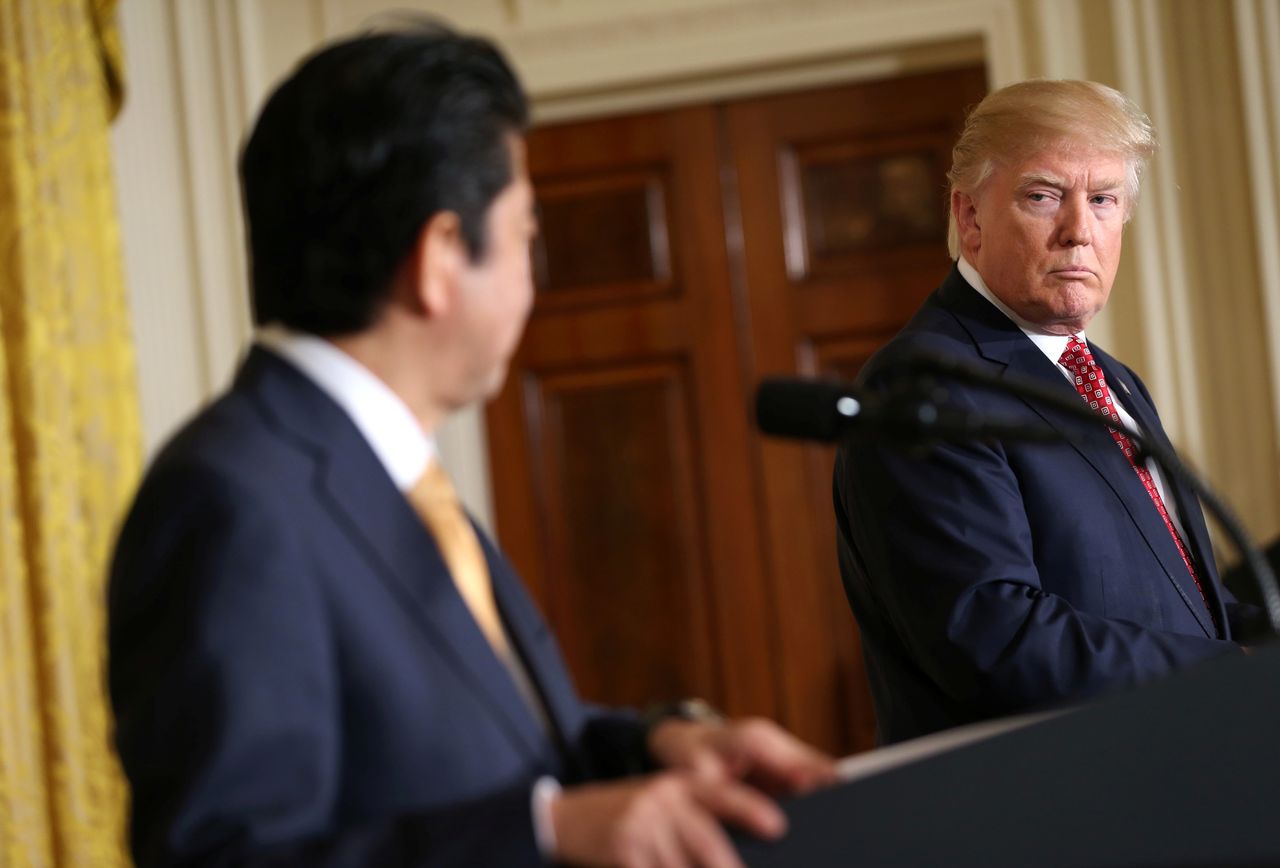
(1014, 122)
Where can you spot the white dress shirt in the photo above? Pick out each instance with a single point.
(1053, 346)
(390, 429)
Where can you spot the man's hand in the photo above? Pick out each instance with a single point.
(754, 750)
(668, 819)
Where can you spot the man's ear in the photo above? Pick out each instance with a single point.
(965, 211)
(435, 264)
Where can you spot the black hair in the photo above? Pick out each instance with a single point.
(365, 142)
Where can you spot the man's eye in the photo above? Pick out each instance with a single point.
(1038, 197)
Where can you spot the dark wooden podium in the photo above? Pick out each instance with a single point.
(1183, 772)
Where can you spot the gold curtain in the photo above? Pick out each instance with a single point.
(69, 431)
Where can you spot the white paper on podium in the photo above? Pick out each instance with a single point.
(883, 759)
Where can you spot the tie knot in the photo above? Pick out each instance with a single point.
(1076, 356)
(433, 487)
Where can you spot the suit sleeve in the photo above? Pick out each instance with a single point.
(1248, 622)
(222, 675)
(947, 543)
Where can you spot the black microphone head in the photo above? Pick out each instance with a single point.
(805, 409)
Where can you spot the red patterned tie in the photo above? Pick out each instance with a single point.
(1092, 386)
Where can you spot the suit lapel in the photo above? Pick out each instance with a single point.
(525, 630)
(1195, 533)
(1000, 340)
(363, 501)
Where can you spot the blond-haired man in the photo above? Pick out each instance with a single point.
(996, 577)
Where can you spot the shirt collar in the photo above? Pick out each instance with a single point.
(386, 422)
(1051, 345)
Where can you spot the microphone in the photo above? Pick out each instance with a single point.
(830, 410)
(807, 409)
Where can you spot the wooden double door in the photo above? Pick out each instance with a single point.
(683, 255)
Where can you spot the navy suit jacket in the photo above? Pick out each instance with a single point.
(295, 677)
(996, 577)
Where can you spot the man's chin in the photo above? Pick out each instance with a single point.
(1075, 307)
(1068, 319)
(1070, 322)
(496, 381)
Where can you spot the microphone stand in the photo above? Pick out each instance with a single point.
(1167, 459)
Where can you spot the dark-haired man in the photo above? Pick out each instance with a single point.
(315, 657)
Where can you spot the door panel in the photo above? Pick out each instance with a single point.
(603, 238)
(641, 570)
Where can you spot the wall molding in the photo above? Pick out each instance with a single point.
(702, 41)
(1258, 39)
(328, 14)
(578, 62)
(1060, 26)
(155, 215)
(209, 64)
(1157, 235)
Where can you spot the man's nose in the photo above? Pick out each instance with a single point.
(1073, 223)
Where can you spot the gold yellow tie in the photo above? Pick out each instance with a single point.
(436, 502)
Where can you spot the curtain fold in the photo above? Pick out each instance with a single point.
(70, 441)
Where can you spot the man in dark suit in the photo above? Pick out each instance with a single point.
(315, 657)
(996, 577)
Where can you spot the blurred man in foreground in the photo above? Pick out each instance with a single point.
(316, 658)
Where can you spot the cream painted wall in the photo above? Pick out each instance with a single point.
(1197, 307)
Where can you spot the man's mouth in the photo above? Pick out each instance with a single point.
(1072, 272)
